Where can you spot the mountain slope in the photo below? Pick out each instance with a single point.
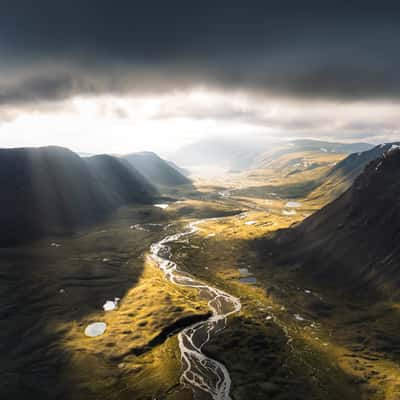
(155, 169)
(119, 181)
(183, 171)
(342, 175)
(353, 242)
(52, 190)
(294, 169)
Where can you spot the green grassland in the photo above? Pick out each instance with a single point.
(340, 348)
(290, 340)
(54, 288)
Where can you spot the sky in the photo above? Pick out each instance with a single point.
(103, 76)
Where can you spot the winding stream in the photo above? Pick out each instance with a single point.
(201, 373)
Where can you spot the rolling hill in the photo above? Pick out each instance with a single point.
(352, 244)
(298, 156)
(52, 190)
(268, 157)
(156, 170)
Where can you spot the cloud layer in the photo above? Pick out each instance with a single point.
(55, 50)
(163, 123)
(101, 75)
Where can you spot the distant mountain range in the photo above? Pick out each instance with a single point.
(318, 175)
(52, 190)
(243, 154)
(352, 243)
(227, 153)
(270, 157)
(157, 170)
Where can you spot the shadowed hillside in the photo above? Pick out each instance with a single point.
(353, 242)
(156, 170)
(52, 190)
(344, 173)
(120, 183)
(183, 171)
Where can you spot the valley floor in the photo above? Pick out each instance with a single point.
(289, 341)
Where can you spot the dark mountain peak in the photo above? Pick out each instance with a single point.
(359, 160)
(383, 170)
(342, 175)
(49, 151)
(121, 183)
(155, 169)
(51, 190)
(107, 161)
(374, 191)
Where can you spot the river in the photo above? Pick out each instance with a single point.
(202, 374)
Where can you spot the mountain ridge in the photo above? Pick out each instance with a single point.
(351, 244)
(156, 169)
(340, 177)
(51, 190)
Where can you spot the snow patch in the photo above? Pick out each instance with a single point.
(393, 147)
(95, 329)
(162, 206)
(110, 305)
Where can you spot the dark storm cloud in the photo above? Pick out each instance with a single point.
(324, 49)
(31, 90)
